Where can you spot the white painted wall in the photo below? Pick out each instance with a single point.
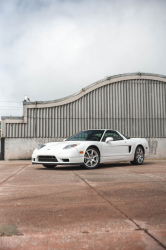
(22, 148)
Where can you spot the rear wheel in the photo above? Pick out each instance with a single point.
(139, 156)
(49, 166)
(91, 158)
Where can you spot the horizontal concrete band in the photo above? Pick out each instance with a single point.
(17, 149)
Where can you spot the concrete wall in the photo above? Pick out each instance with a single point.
(22, 148)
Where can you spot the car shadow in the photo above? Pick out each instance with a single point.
(101, 166)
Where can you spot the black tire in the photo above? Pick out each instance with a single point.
(91, 158)
(49, 166)
(139, 156)
(132, 163)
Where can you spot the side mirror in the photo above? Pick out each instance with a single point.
(109, 139)
(64, 139)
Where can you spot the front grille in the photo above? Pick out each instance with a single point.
(47, 158)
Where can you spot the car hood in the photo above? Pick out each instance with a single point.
(59, 145)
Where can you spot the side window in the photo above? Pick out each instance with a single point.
(113, 134)
(96, 137)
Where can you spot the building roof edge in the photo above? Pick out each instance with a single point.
(93, 84)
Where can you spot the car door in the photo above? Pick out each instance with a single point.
(114, 150)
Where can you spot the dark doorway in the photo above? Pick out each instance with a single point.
(2, 148)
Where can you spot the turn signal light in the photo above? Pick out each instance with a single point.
(81, 152)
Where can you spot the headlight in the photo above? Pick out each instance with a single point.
(41, 146)
(70, 146)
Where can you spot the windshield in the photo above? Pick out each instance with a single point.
(126, 136)
(89, 135)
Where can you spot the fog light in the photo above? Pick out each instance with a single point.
(65, 160)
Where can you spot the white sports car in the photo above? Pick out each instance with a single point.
(90, 148)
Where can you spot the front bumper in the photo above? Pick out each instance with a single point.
(59, 159)
(48, 156)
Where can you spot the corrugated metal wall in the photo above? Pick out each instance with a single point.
(136, 108)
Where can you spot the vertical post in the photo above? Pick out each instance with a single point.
(35, 124)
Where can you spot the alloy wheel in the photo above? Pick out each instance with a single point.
(139, 155)
(91, 158)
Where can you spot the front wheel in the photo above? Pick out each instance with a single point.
(49, 166)
(91, 158)
(139, 156)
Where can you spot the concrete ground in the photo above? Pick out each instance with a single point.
(117, 206)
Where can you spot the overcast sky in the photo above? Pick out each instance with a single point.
(50, 49)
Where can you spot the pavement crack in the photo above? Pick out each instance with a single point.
(139, 228)
(14, 174)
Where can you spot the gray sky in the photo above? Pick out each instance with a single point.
(50, 49)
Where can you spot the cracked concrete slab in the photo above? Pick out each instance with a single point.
(117, 206)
